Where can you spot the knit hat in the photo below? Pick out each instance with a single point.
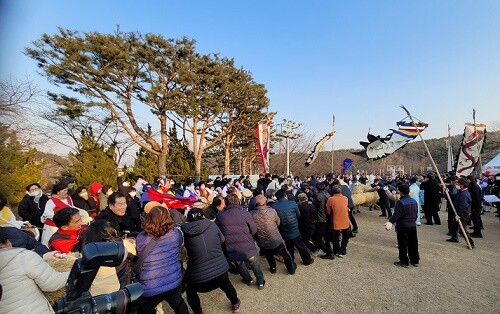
(302, 197)
(260, 200)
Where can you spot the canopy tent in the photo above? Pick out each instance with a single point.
(492, 168)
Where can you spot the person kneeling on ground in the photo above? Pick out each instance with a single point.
(207, 266)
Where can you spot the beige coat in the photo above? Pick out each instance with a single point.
(24, 275)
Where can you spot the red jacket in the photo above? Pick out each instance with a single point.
(64, 240)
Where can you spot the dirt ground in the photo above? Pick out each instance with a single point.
(450, 279)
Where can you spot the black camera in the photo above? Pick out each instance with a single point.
(83, 272)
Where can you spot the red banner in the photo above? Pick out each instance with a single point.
(262, 135)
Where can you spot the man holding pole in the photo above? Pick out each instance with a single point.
(463, 206)
(405, 217)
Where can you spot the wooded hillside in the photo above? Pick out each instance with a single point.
(413, 157)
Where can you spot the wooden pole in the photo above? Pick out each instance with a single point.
(440, 179)
(477, 139)
(333, 130)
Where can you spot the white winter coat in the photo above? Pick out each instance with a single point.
(23, 276)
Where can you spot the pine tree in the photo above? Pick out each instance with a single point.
(18, 166)
(145, 165)
(180, 160)
(93, 162)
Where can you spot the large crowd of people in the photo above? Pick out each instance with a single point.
(185, 238)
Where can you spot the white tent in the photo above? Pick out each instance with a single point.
(492, 168)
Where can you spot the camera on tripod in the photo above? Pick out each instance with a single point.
(83, 272)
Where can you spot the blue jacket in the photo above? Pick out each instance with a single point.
(405, 212)
(161, 270)
(202, 239)
(463, 202)
(238, 228)
(347, 193)
(288, 211)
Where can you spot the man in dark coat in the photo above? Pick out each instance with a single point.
(462, 204)
(116, 213)
(307, 221)
(322, 226)
(289, 214)
(405, 216)
(432, 199)
(264, 181)
(476, 206)
(384, 201)
(238, 227)
(206, 267)
(33, 204)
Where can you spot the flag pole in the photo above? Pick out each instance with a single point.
(477, 141)
(333, 131)
(439, 176)
(450, 151)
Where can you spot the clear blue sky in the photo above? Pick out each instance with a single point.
(358, 60)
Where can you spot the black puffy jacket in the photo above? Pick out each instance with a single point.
(206, 260)
(31, 211)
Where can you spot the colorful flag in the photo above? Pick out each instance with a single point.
(379, 147)
(472, 145)
(346, 164)
(172, 201)
(317, 148)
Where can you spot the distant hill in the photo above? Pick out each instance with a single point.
(413, 157)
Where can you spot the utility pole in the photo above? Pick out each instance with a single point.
(287, 127)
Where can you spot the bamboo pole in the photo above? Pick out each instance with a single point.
(333, 131)
(477, 141)
(440, 179)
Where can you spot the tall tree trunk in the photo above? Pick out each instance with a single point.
(244, 166)
(197, 168)
(162, 158)
(227, 160)
(162, 164)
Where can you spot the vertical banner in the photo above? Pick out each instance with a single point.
(262, 135)
(472, 145)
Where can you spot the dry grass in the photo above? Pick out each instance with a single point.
(450, 279)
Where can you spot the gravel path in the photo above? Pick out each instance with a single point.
(450, 279)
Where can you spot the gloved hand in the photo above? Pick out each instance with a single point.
(457, 218)
(388, 226)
